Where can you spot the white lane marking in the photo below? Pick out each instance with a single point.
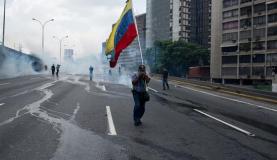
(231, 99)
(47, 85)
(2, 104)
(112, 131)
(153, 89)
(2, 84)
(35, 78)
(227, 124)
(19, 94)
(75, 112)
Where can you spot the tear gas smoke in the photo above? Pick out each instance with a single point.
(14, 63)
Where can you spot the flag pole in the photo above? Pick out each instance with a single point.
(142, 61)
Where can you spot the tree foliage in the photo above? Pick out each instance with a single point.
(177, 56)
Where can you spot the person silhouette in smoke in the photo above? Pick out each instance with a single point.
(90, 73)
(58, 70)
(119, 71)
(53, 70)
(165, 79)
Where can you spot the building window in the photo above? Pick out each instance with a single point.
(244, 71)
(229, 3)
(259, 8)
(272, 31)
(258, 58)
(259, 33)
(229, 59)
(272, 6)
(245, 1)
(259, 21)
(245, 59)
(230, 25)
(272, 18)
(258, 71)
(230, 37)
(246, 11)
(245, 23)
(230, 49)
(271, 58)
(245, 47)
(230, 14)
(272, 44)
(245, 35)
(259, 46)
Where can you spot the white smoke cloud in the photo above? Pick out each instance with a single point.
(14, 66)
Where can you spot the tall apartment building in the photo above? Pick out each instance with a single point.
(180, 20)
(187, 20)
(244, 39)
(157, 21)
(201, 22)
(130, 58)
(68, 55)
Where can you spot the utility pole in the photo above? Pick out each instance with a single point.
(4, 24)
(42, 28)
(60, 41)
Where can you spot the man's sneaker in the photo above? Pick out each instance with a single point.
(138, 123)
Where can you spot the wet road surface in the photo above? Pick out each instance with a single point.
(72, 118)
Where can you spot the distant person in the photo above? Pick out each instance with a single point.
(58, 70)
(90, 73)
(53, 70)
(139, 81)
(165, 79)
(45, 67)
(119, 70)
(110, 72)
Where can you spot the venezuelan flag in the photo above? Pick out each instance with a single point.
(124, 31)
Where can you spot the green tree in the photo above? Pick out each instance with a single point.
(177, 56)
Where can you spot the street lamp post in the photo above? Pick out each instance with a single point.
(60, 40)
(42, 28)
(4, 23)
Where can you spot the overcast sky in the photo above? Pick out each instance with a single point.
(87, 22)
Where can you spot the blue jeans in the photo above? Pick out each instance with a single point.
(139, 107)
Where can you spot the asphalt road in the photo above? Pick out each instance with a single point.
(44, 118)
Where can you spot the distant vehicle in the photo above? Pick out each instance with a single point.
(199, 73)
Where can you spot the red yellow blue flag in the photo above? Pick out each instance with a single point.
(124, 31)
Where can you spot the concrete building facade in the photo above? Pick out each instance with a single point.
(201, 22)
(157, 21)
(244, 40)
(187, 20)
(68, 55)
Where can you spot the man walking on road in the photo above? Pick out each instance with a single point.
(53, 70)
(165, 77)
(90, 73)
(139, 81)
(58, 70)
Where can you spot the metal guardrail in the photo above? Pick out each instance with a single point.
(268, 96)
